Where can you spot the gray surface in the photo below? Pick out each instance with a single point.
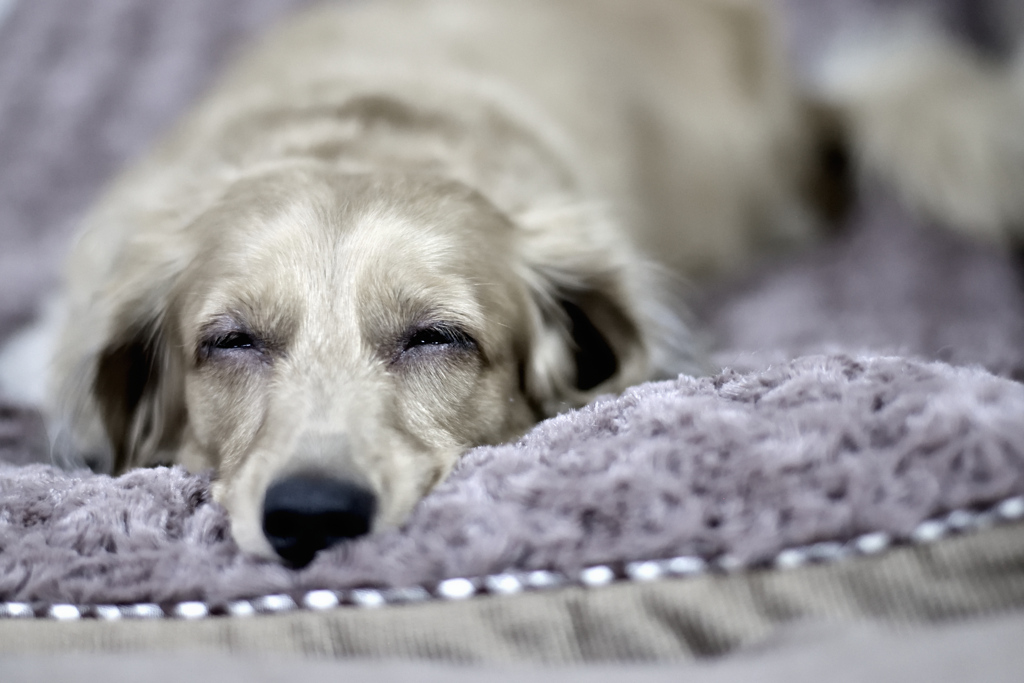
(86, 84)
(986, 651)
(889, 284)
(960, 577)
(991, 26)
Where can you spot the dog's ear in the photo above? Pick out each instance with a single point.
(138, 395)
(584, 342)
(601, 320)
(596, 320)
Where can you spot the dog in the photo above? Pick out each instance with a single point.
(400, 229)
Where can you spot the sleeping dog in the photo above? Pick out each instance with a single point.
(399, 229)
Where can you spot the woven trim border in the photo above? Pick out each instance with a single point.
(512, 583)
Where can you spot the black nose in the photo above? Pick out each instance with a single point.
(306, 513)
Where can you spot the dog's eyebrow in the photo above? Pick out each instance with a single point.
(445, 316)
(224, 323)
(239, 316)
(429, 305)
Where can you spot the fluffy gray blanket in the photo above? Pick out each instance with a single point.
(870, 383)
(739, 466)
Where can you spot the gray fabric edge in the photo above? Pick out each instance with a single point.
(985, 649)
(507, 584)
(668, 620)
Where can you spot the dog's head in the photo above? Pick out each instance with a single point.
(332, 343)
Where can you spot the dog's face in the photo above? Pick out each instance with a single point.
(333, 343)
(359, 331)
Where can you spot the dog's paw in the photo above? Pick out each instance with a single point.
(954, 151)
(941, 126)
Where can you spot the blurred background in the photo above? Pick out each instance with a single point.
(87, 85)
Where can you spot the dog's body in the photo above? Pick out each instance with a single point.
(403, 228)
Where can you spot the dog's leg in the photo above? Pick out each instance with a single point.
(940, 123)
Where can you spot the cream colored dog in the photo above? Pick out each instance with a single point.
(403, 228)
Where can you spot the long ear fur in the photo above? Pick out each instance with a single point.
(599, 323)
(117, 401)
(139, 396)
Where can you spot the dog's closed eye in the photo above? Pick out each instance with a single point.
(236, 344)
(438, 337)
(235, 340)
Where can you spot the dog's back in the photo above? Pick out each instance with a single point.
(678, 117)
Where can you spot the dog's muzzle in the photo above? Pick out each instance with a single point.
(306, 513)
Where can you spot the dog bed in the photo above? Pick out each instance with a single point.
(861, 454)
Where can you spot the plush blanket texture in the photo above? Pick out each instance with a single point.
(868, 382)
(742, 465)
